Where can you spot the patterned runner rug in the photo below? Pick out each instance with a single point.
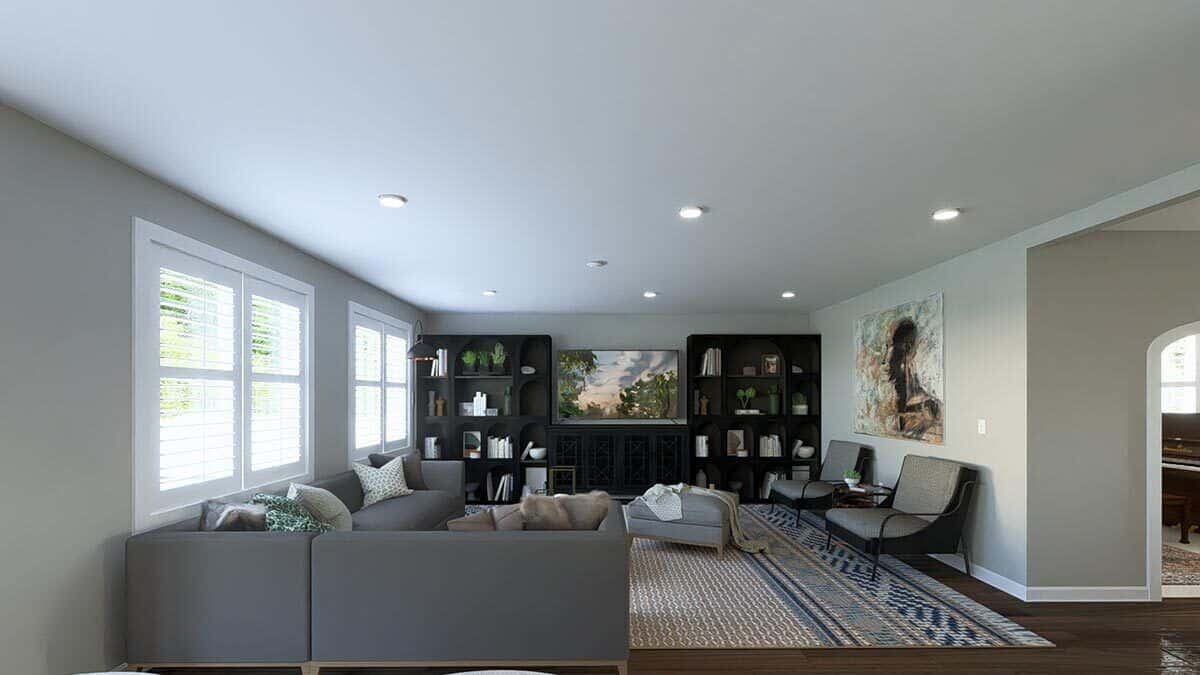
(1180, 567)
(798, 596)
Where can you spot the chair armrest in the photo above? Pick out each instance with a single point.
(804, 489)
(963, 491)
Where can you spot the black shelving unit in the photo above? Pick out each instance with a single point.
(737, 352)
(530, 409)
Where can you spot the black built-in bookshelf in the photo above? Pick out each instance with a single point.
(529, 418)
(738, 351)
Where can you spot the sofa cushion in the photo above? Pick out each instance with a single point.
(585, 512)
(412, 467)
(323, 504)
(544, 513)
(792, 489)
(218, 516)
(383, 483)
(289, 515)
(508, 517)
(421, 510)
(697, 510)
(346, 486)
(865, 522)
(480, 521)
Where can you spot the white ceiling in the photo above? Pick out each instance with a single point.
(533, 136)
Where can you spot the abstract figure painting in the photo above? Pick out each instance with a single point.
(899, 381)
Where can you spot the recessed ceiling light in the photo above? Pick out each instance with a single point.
(949, 213)
(595, 264)
(649, 294)
(489, 292)
(691, 212)
(787, 294)
(392, 201)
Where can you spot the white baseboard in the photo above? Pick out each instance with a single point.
(1087, 594)
(1180, 591)
(993, 579)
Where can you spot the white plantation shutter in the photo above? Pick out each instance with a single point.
(221, 375)
(379, 381)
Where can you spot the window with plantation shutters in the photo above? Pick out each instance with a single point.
(221, 361)
(379, 368)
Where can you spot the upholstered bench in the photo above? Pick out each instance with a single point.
(705, 522)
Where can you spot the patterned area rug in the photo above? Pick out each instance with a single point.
(798, 596)
(1180, 567)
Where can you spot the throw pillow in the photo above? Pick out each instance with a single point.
(476, 522)
(508, 517)
(289, 515)
(412, 468)
(585, 512)
(544, 513)
(323, 504)
(218, 516)
(382, 483)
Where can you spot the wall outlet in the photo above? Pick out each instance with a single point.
(981, 426)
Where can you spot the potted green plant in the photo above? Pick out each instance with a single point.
(745, 396)
(469, 360)
(499, 357)
(852, 477)
(799, 404)
(485, 361)
(773, 399)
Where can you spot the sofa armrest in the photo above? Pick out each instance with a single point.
(232, 597)
(447, 476)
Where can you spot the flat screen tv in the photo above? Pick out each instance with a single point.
(617, 384)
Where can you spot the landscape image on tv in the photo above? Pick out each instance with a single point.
(612, 384)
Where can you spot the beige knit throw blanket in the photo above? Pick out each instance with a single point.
(730, 500)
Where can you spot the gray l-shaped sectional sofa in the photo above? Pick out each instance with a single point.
(399, 589)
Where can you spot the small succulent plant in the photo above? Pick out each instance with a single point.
(498, 355)
(799, 399)
(469, 359)
(851, 474)
(746, 395)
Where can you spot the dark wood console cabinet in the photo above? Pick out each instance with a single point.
(623, 460)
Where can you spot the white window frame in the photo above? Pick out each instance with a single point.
(151, 245)
(1193, 383)
(388, 324)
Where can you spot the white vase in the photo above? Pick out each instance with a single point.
(852, 482)
(800, 409)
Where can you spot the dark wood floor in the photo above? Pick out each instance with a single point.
(1090, 638)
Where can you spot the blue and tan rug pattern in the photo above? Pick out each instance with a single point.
(798, 596)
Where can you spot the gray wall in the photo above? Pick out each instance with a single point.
(66, 400)
(984, 354)
(1096, 302)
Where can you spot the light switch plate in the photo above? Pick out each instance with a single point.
(981, 426)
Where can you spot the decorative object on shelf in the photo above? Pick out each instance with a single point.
(537, 454)
(743, 453)
(749, 371)
(535, 480)
(491, 412)
(735, 442)
(432, 448)
(485, 361)
(799, 404)
(710, 364)
(802, 451)
(701, 479)
(440, 407)
(560, 478)
(770, 364)
(499, 356)
(703, 404)
(466, 409)
(702, 446)
(617, 385)
(899, 379)
(528, 370)
(469, 359)
(471, 441)
(851, 477)
(773, 399)
(507, 400)
(479, 404)
(797, 370)
(745, 396)
(431, 407)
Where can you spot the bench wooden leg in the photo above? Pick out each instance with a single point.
(310, 669)
(623, 668)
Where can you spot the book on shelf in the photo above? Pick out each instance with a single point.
(499, 448)
(710, 364)
(770, 446)
(501, 491)
(438, 365)
(432, 451)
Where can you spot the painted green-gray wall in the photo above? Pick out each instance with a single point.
(65, 366)
(1096, 302)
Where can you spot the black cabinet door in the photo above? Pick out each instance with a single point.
(599, 461)
(637, 462)
(566, 449)
(669, 449)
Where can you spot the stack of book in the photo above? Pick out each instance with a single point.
(770, 446)
(501, 490)
(499, 448)
(711, 363)
(432, 451)
(702, 446)
(440, 365)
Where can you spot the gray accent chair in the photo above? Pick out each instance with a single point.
(198, 597)
(819, 494)
(926, 514)
(384, 599)
(705, 522)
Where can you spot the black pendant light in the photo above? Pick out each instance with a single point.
(421, 351)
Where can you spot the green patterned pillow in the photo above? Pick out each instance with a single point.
(289, 515)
